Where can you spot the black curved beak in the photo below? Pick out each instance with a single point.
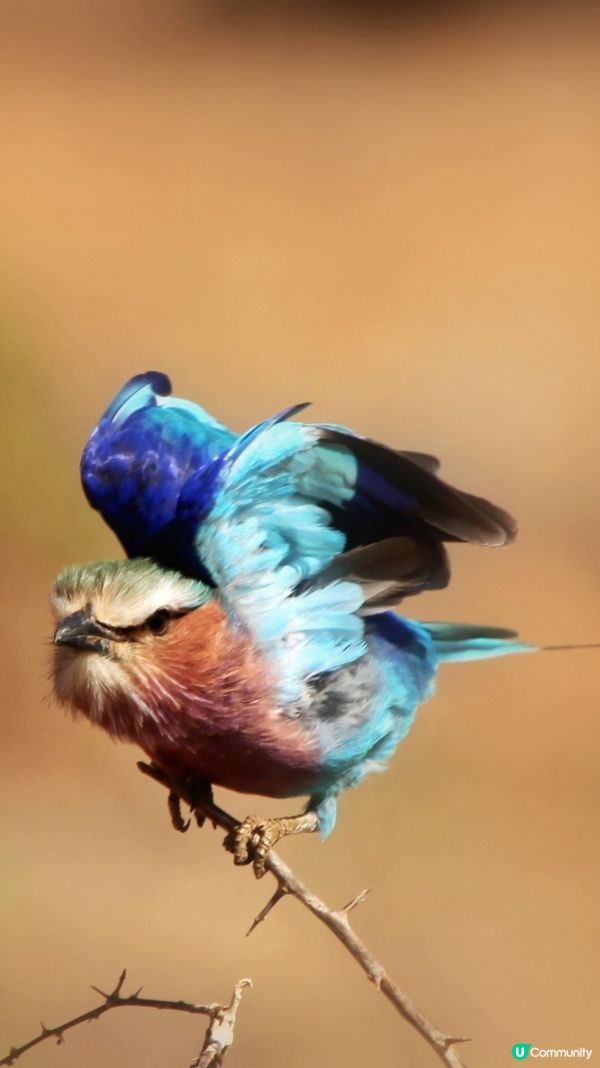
(82, 631)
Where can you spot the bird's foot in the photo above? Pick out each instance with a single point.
(252, 839)
(195, 790)
(174, 803)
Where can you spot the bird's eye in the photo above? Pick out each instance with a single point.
(158, 621)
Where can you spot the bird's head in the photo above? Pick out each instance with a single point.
(117, 622)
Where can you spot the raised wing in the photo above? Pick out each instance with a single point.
(400, 493)
(307, 507)
(139, 459)
(265, 542)
(275, 544)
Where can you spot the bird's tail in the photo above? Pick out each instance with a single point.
(463, 641)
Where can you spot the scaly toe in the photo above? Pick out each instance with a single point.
(251, 841)
(238, 840)
(269, 837)
(247, 837)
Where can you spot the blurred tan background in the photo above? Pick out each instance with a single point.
(392, 212)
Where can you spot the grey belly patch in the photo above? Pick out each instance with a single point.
(348, 694)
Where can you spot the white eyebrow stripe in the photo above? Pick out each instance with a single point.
(125, 594)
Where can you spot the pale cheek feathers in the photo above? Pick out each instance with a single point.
(87, 682)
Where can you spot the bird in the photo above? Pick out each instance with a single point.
(250, 637)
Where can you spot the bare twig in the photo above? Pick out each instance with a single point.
(335, 919)
(115, 1000)
(220, 1033)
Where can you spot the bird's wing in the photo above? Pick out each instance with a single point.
(264, 542)
(159, 468)
(278, 552)
(139, 457)
(402, 491)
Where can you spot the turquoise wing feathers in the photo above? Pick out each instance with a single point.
(266, 542)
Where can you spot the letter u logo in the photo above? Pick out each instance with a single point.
(521, 1050)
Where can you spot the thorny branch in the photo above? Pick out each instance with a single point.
(218, 1038)
(337, 920)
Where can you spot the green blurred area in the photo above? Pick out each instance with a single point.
(397, 220)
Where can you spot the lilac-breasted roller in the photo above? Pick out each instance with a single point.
(250, 639)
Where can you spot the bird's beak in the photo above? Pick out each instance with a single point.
(82, 631)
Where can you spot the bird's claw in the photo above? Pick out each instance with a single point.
(252, 839)
(175, 813)
(196, 790)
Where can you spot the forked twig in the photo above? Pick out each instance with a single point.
(337, 920)
(219, 1035)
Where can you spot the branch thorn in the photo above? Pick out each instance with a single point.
(264, 912)
(357, 900)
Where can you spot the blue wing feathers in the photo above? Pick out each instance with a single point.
(386, 476)
(136, 466)
(140, 391)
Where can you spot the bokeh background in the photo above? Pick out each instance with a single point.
(391, 211)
